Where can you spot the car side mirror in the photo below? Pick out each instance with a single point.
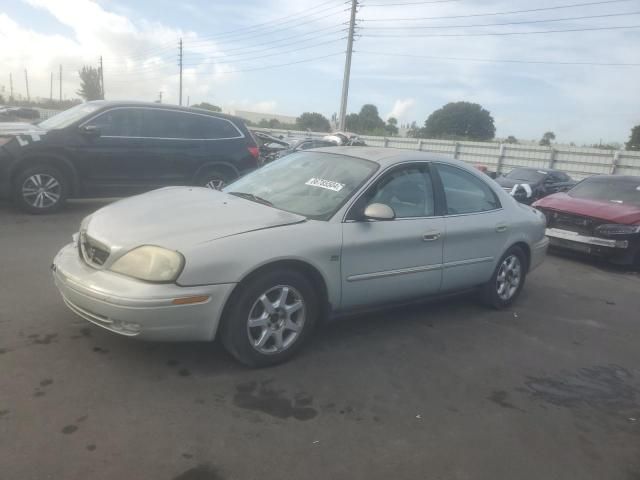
(90, 130)
(379, 211)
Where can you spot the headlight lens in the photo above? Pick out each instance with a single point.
(616, 229)
(150, 263)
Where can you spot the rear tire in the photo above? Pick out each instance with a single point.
(215, 179)
(40, 189)
(268, 320)
(507, 280)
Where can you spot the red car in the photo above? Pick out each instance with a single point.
(599, 216)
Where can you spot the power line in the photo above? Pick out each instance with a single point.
(494, 60)
(266, 67)
(406, 3)
(415, 27)
(488, 34)
(277, 21)
(271, 54)
(531, 10)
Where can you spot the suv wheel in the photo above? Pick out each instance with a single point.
(40, 189)
(270, 317)
(214, 179)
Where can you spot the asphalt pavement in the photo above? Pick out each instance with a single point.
(549, 389)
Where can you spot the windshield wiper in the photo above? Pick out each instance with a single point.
(252, 197)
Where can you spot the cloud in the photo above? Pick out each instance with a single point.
(401, 108)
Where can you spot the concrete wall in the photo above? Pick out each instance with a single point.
(576, 161)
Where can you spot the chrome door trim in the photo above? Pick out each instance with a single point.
(470, 261)
(241, 135)
(393, 273)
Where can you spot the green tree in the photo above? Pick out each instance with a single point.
(392, 126)
(547, 138)
(370, 120)
(463, 120)
(313, 121)
(90, 87)
(634, 139)
(207, 106)
(511, 139)
(352, 123)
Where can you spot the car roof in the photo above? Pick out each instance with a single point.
(163, 106)
(386, 156)
(551, 170)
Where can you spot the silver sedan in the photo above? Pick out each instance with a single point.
(310, 235)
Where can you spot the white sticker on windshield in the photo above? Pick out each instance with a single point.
(328, 184)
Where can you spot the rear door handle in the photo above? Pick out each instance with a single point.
(431, 236)
(501, 227)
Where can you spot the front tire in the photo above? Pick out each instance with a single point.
(507, 280)
(40, 189)
(214, 179)
(270, 317)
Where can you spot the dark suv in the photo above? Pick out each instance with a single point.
(102, 148)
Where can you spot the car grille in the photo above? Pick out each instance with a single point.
(573, 223)
(92, 251)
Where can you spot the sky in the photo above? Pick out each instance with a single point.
(287, 57)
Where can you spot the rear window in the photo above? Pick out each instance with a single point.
(624, 191)
(526, 174)
(168, 124)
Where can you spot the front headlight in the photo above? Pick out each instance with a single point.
(616, 229)
(150, 263)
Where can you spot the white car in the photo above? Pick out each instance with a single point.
(309, 235)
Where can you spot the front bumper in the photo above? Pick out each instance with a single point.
(618, 251)
(134, 308)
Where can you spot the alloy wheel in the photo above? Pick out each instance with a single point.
(509, 277)
(215, 184)
(276, 319)
(41, 190)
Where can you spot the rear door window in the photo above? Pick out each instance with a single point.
(188, 126)
(464, 192)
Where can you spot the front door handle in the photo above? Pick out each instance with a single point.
(501, 227)
(431, 236)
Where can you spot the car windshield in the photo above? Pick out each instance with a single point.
(609, 189)
(312, 184)
(67, 117)
(526, 174)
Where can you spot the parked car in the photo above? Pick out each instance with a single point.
(12, 114)
(269, 145)
(119, 148)
(345, 139)
(305, 144)
(599, 216)
(530, 184)
(312, 234)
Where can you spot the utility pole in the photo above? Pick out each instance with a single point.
(347, 66)
(188, 99)
(60, 83)
(26, 81)
(160, 96)
(180, 60)
(101, 77)
(11, 87)
(51, 89)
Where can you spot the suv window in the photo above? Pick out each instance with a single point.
(408, 190)
(173, 124)
(464, 192)
(119, 122)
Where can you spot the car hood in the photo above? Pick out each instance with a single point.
(20, 128)
(180, 217)
(608, 211)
